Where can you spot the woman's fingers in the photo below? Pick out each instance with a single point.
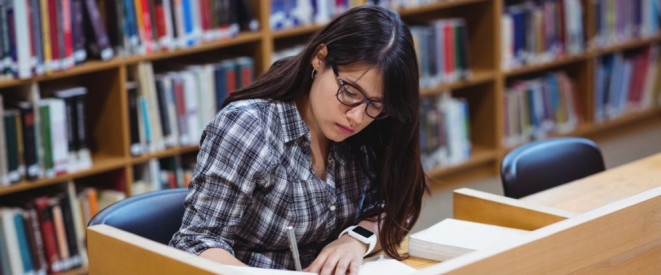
(342, 267)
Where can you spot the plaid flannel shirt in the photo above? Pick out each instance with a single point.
(254, 177)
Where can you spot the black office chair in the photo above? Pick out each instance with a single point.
(155, 215)
(543, 164)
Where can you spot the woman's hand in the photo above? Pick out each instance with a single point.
(340, 257)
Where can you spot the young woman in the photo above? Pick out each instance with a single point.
(326, 142)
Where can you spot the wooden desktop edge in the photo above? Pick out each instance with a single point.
(620, 237)
(477, 206)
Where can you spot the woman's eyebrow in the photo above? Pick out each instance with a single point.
(354, 83)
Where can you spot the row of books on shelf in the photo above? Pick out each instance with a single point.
(145, 26)
(626, 82)
(46, 233)
(171, 109)
(442, 51)
(539, 31)
(43, 137)
(539, 107)
(616, 21)
(42, 36)
(287, 14)
(160, 174)
(444, 131)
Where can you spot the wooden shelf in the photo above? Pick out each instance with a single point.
(164, 154)
(478, 77)
(76, 271)
(241, 38)
(92, 66)
(296, 31)
(435, 6)
(481, 155)
(620, 121)
(557, 62)
(630, 44)
(100, 164)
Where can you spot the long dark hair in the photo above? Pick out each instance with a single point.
(375, 36)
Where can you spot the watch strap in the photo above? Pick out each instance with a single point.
(371, 242)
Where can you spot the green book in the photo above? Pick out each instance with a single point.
(46, 138)
(11, 143)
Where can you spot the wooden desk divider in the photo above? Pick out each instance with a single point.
(477, 206)
(114, 251)
(619, 238)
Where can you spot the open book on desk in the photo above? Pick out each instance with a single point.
(451, 238)
(376, 265)
(114, 251)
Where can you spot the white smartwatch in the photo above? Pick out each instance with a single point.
(363, 235)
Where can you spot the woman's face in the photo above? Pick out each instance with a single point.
(335, 120)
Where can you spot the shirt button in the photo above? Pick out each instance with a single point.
(332, 207)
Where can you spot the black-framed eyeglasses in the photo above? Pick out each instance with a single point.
(352, 96)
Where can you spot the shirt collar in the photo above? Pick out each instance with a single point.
(291, 121)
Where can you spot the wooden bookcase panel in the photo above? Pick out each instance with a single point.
(482, 102)
(105, 118)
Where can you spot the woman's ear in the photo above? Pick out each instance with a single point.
(319, 57)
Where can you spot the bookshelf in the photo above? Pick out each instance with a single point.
(109, 125)
(483, 89)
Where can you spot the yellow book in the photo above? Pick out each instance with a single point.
(45, 32)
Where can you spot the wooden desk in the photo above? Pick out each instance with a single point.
(616, 232)
(603, 188)
(589, 193)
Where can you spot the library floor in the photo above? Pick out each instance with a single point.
(628, 144)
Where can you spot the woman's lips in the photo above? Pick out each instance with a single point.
(344, 129)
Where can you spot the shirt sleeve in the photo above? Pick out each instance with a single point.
(232, 153)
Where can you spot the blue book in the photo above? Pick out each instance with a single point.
(144, 111)
(4, 254)
(223, 71)
(554, 95)
(189, 27)
(130, 26)
(23, 244)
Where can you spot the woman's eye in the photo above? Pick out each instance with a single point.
(347, 90)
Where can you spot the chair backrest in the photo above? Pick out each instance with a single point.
(155, 215)
(543, 164)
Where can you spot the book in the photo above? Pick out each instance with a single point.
(12, 248)
(99, 45)
(451, 238)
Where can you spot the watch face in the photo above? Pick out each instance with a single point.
(363, 232)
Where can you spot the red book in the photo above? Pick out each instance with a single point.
(178, 85)
(561, 25)
(146, 25)
(231, 81)
(448, 36)
(159, 15)
(33, 47)
(205, 7)
(48, 233)
(68, 37)
(246, 76)
(54, 38)
(636, 95)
